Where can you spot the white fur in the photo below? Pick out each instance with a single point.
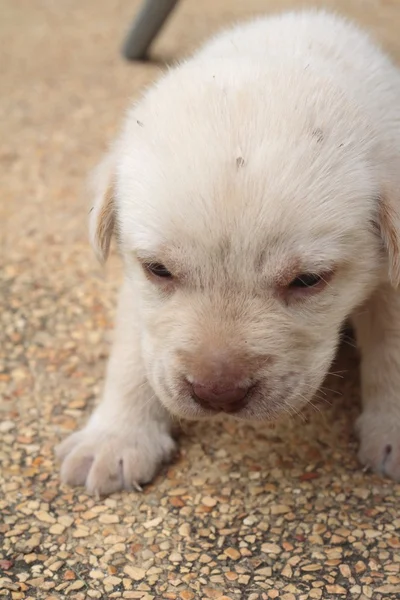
(276, 147)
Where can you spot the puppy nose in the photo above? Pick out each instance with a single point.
(220, 398)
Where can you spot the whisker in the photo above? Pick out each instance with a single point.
(349, 343)
(322, 390)
(292, 411)
(315, 407)
(337, 373)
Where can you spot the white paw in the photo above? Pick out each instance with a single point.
(106, 461)
(379, 434)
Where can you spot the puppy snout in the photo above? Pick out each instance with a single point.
(220, 378)
(219, 397)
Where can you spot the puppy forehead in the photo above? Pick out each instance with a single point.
(246, 246)
(262, 208)
(204, 166)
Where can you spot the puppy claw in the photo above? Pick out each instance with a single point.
(106, 462)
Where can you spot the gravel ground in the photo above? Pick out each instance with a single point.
(244, 512)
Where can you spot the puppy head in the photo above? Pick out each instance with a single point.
(247, 222)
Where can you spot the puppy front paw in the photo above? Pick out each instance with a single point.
(108, 460)
(379, 434)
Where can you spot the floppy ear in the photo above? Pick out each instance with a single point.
(102, 213)
(389, 225)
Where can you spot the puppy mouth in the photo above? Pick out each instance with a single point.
(260, 403)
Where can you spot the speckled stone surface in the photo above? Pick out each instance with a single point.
(245, 512)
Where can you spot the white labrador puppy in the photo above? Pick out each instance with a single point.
(255, 196)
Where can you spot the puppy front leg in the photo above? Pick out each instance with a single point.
(378, 331)
(129, 434)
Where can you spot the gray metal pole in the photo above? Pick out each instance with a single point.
(147, 24)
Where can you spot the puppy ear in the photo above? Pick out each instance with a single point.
(389, 225)
(102, 213)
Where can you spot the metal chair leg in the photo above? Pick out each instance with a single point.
(149, 21)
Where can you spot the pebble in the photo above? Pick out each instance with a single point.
(80, 533)
(112, 580)
(233, 553)
(271, 548)
(136, 573)
(57, 529)
(175, 557)
(107, 518)
(153, 523)
(209, 501)
(96, 574)
(6, 426)
(336, 590)
(74, 586)
(184, 530)
(280, 509)
(65, 520)
(45, 517)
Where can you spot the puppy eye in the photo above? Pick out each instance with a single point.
(305, 281)
(158, 270)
